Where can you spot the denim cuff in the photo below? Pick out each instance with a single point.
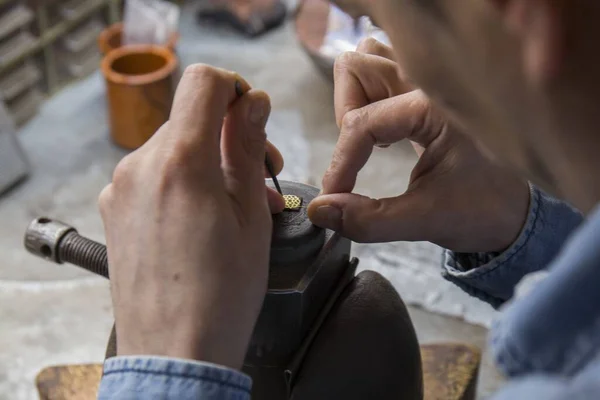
(145, 377)
(492, 277)
(555, 327)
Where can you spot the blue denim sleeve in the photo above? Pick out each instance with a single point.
(150, 377)
(584, 386)
(492, 277)
(554, 328)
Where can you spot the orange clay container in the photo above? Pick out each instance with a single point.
(111, 38)
(140, 86)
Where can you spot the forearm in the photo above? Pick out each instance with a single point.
(492, 277)
(150, 377)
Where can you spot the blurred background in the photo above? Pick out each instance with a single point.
(68, 114)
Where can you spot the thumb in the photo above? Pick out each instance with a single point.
(243, 147)
(367, 220)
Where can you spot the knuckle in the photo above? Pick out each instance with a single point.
(201, 71)
(368, 45)
(181, 153)
(353, 121)
(420, 112)
(122, 172)
(178, 168)
(346, 61)
(426, 123)
(176, 162)
(210, 78)
(167, 180)
(105, 199)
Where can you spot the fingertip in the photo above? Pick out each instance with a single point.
(324, 213)
(312, 207)
(241, 85)
(276, 159)
(260, 97)
(352, 215)
(254, 108)
(244, 134)
(275, 200)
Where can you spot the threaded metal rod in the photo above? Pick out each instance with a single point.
(84, 253)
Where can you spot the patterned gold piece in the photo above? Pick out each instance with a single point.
(292, 202)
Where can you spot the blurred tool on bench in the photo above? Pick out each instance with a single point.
(251, 18)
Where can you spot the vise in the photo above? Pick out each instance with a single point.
(323, 332)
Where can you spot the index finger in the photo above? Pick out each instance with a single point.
(356, 84)
(382, 123)
(202, 99)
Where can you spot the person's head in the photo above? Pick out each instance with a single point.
(521, 76)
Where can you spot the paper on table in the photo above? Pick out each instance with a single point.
(149, 21)
(344, 35)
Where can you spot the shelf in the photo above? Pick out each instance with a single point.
(13, 164)
(17, 48)
(19, 80)
(85, 66)
(52, 34)
(81, 63)
(14, 18)
(83, 36)
(72, 10)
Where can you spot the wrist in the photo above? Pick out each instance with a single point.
(515, 217)
(222, 347)
(216, 334)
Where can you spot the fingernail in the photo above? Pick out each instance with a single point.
(259, 111)
(328, 217)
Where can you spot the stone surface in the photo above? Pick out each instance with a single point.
(49, 323)
(57, 314)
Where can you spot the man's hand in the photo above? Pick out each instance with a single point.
(188, 226)
(457, 197)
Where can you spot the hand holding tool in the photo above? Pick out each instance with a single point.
(268, 164)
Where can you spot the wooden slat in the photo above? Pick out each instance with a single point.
(450, 371)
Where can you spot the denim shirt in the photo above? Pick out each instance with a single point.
(547, 341)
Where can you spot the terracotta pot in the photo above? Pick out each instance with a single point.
(139, 89)
(110, 39)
